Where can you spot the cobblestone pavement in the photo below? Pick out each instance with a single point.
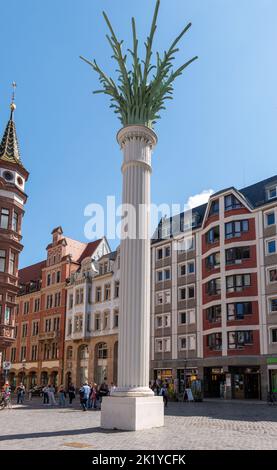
(207, 425)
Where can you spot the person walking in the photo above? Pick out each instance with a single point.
(84, 396)
(93, 396)
(103, 390)
(71, 393)
(164, 394)
(45, 395)
(112, 388)
(20, 393)
(62, 396)
(51, 394)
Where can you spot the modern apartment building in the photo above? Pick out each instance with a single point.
(91, 340)
(214, 294)
(13, 177)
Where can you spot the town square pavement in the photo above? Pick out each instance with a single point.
(207, 425)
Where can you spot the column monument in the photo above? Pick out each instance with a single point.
(137, 99)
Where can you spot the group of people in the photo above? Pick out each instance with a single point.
(160, 390)
(90, 394)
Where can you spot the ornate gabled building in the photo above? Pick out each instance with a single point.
(13, 177)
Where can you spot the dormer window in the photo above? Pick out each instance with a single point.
(214, 207)
(231, 202)
(272, 192)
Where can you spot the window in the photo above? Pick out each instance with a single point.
(159, 276)
(54, 351)
(272, 192)
(116, 289)
(272, 275)
(186, 268)
(231, 202)
(4, 219)
(236, 229)
(70, 301)
(98, 294)
(58, 276)
(213, 314)
(162, 321)
(24, 330)
(107, 291)
(23, 353)
(70, 327)
(214, 209)
(48, 279)
(270, 219)
(56, 326)
(89, 295)
(159, 253)
(214, 341)
(15, 331)
(78, 323)
(167, 251)
(35, 328)
(69, 353)
(213, 287)
(15, 221)
(237, 311)
(102, 352)
(163, 275)
(106, 321)
(26, 308)
(186, 292)
(34, 352)
(212, 236)
(238, 283)
(163, 297)
(46, 352)
(47, 325)
(2, 260)
(8, 312)
(49, 301)
(81, 296)
(97, 322)
(239, 339)
(37, 305)
(273, 305)
(13, 354)
(162, 345)
(77, 297)
(237, 255)
(186, 317)
(213, 261)
(271, 247)
(115, 319)
(57, 299)
(183, 343)
(274, 335)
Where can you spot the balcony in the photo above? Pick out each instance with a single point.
(6, 335)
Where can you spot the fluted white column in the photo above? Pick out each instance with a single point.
(136, 143)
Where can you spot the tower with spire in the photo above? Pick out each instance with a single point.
(13, 177)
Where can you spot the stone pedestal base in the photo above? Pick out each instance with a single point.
(132, 413)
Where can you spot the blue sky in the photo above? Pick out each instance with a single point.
(220, 130)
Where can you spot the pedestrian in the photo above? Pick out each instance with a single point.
(93, 396)
(164, 394)
(84, 396)
(20, 393)
(90, 396)
(45, 395)
(103, 390)
(112, 388)
(30, 394)
(71, 393)
(62, 396)
(51, 394)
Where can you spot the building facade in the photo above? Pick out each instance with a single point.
(214, 294)
(13, 177)
(37, 356)
(91, 341)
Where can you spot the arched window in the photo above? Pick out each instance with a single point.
(83, 352)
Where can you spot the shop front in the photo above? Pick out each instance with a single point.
(163, 375)
(185, 378)
(214, 381)
(246, 382)
(272, 374)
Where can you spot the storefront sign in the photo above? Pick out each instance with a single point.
(272, 360)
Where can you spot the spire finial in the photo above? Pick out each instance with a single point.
(13, 105)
